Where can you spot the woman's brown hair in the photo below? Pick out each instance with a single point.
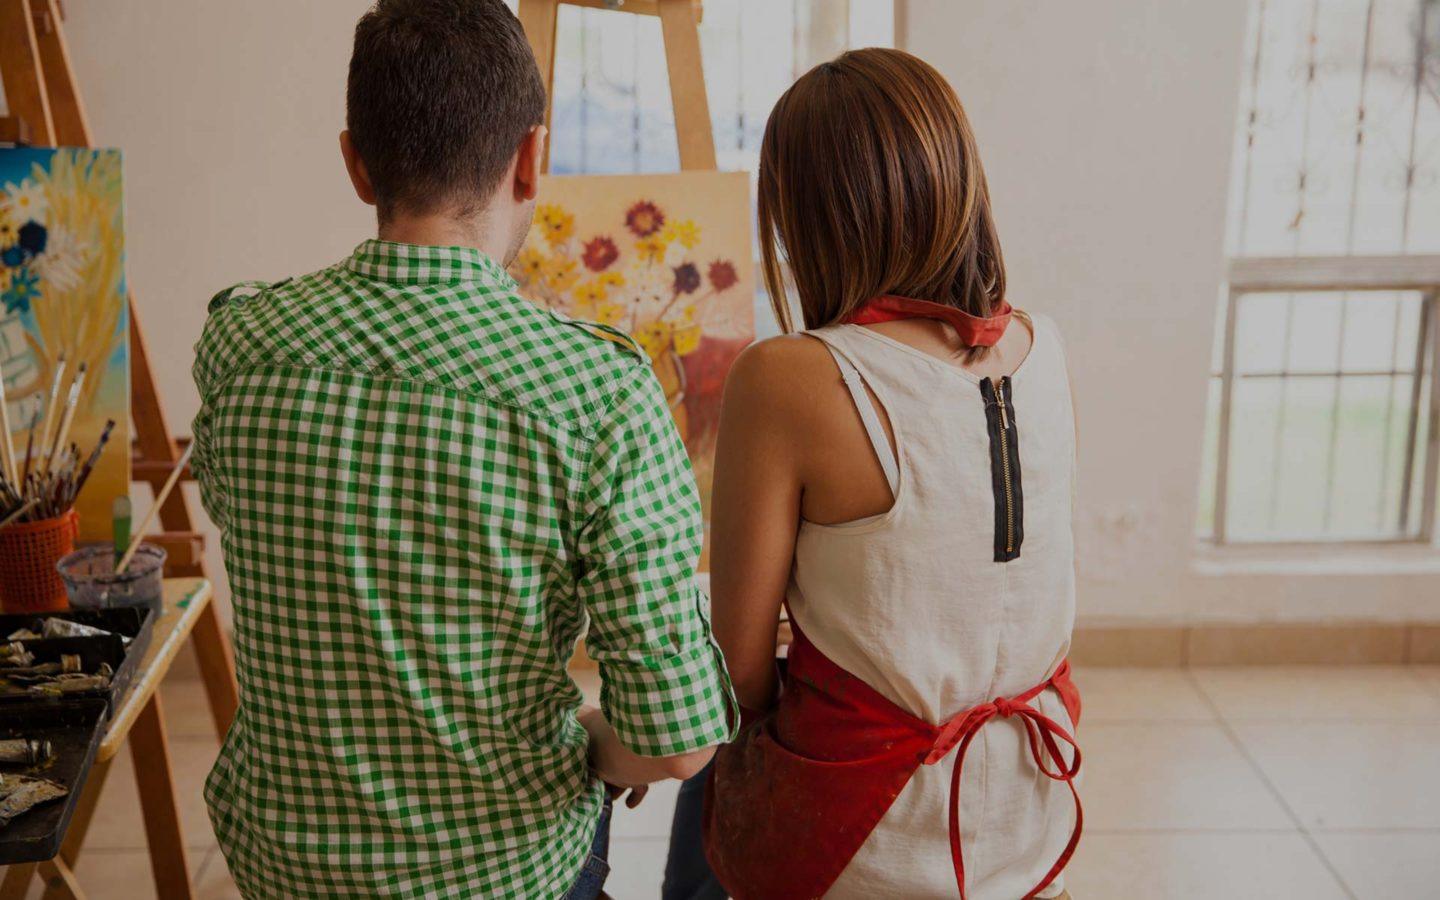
(870, 182)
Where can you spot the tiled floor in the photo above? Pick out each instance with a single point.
(1206, 783)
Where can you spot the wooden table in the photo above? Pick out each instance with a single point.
(138, 719)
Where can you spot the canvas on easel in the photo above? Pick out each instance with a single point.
(63, 306)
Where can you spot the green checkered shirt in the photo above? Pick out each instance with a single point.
(428, 489)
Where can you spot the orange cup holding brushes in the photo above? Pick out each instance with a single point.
(29, 552)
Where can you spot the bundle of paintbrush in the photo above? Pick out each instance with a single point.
(44, 482)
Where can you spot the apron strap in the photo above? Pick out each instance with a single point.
(871, 419)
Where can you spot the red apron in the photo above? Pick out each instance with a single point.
(791, 801)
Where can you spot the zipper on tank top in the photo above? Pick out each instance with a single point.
(1004, 467)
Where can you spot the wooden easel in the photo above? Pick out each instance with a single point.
(680, 29)
(46, 110)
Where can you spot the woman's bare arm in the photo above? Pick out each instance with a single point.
(756, 510)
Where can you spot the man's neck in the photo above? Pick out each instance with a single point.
(446, 231)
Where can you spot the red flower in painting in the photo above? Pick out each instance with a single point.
(599, 253)
(644, 219)
(687, 278)
(722, 275)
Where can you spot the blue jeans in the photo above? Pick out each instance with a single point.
(687, 874)
(589, 884)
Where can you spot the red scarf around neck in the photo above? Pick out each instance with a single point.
(974, 331)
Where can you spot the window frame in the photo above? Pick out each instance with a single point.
(1340, 274)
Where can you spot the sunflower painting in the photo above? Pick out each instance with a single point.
(667, 259)
(62, 297)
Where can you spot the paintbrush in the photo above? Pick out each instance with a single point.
(7, 446)
(89, 466)
(160, 498)
(52, 403)
(71, 403)
(24, 508)
(29, 446)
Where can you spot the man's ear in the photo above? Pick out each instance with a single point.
(359, 177)
(529, 162)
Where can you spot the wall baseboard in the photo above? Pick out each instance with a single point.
(1299, 643)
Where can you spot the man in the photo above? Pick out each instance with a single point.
(427, 487)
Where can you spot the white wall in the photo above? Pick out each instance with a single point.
(1106, 131)
(227, 114)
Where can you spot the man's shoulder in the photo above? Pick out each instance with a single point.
(568, 367)
(242, 325)
(488, 342)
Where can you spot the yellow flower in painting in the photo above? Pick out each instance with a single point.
(530, 267)
(9, 228)
(686, 232)
(654, 337)
(687, 338)
(651, 249)
(611, 314)
(555, 223)
(590, 293)
(560, 273)
(687, 314)
(611, 279)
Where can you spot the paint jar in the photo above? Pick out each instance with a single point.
(91, 582)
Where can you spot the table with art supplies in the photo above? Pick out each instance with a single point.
(86, 636)
(50, 845)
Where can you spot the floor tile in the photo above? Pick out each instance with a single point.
(1200, 866)
(213, 881)
(118, 824)
(1360, 693)
(651, 819)
(1385, 865)
(637, 868)
(1165, 776)
(1340, 775)
(1139, 695)
(1428, 676)
(120, 874)
(187, 708)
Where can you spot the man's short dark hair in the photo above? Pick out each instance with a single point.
(440, 95)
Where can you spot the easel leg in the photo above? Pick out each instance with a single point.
(152, 432)
(21, 72)
(150, 752)
(17, 881)
(55, 888)
(540, 18)
(217, 669)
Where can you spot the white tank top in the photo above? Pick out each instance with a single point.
(914, 603)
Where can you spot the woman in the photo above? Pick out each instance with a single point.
(899, 476)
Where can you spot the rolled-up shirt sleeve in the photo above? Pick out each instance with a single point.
(664, 689)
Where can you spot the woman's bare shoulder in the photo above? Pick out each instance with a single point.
(785, 372)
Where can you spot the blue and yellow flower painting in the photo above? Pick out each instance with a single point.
(63, 298)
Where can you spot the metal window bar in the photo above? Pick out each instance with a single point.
(1343, 275)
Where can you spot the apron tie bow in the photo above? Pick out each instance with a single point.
(1043, 734)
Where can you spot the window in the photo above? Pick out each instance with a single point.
(1325, 384)
(612, 94)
